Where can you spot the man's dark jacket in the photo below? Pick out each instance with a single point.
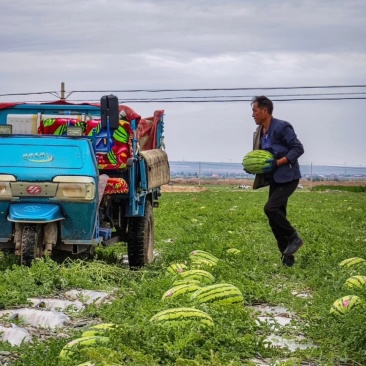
(284, 143)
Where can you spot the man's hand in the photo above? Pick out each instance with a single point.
(272, 166)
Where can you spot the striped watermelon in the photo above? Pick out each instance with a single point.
(356, 281)
(222, 293)
(175, 268)
(233, 251)
(185, 282)
(98, 329)
(201, 263)
(344, 304)
(197, 274)
(202, 256)
(181, 316)
(351, 261)
(255, 161)
(180, 290)
(78, 343)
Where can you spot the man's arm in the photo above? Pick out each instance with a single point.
(296, 148)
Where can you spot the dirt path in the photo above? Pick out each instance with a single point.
(195, 185)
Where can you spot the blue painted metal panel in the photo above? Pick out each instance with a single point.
(79, 223)
(43, 157)
(159, 132)
(34, 212)
(39, 159)
(6, 226)
(136, 201)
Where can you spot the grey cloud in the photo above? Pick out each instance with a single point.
(197, 27)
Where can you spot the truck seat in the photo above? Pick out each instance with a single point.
(92, 124)
(109, 185)
(116, 185)
(57, 125)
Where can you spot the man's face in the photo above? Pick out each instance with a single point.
(259, 115)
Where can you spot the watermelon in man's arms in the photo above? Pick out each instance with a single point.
(256, 161)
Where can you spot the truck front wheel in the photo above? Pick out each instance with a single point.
(140, 238)
(31, 244)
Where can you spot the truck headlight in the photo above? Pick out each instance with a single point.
(75, 188)
(5, 189)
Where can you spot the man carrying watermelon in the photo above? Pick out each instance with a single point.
(281, 173)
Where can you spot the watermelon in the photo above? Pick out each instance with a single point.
(186, 282)
(181, 316)
(201, 263)
(180, 290)
(344, 304)
(222, 293)
(175, 268)
(197, 274)
(356, 281)
(351, 262)
(78, 343)
(200, 256)
(98, 330)
(255, 161)
(233, 251)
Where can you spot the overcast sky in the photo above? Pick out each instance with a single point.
(110, 45)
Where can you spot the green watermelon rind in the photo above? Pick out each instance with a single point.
(254, 162)
(223, 293)
(176, 316)
(345, 304)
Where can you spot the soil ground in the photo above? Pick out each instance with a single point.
(196, 185)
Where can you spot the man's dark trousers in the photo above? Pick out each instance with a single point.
(275, 209)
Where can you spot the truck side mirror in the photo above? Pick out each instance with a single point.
(109, 109)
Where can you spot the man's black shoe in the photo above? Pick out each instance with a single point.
(288, 260)
(294, 244)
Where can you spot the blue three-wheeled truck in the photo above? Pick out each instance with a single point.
(73, 176)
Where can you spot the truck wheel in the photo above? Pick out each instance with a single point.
(140, 238)
(31, 244)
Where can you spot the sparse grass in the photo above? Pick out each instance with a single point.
(332, 225)
(344, 188)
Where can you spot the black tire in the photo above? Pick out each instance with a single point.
(140, 238)
(31, 244)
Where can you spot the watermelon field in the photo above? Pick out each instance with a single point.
(152, 324)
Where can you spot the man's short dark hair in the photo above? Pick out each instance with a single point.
(263, 102)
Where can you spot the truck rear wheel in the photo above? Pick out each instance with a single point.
(31, 244)
(140, 238)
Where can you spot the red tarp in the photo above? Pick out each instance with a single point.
(8, 105)
(146, 131)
